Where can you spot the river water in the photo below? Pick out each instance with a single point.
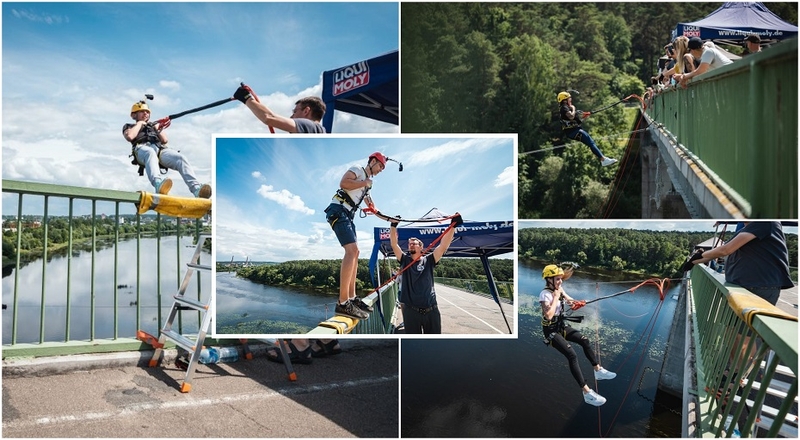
(105, 287)
(245, 307)
(523, 388)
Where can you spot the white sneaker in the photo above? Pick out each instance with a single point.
(608, 161)
(593, 398)
(602, 374)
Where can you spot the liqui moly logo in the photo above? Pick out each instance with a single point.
(350, 78)
(384, 234)
(691, 31)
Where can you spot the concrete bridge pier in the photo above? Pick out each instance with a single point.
(672, 369)
(660, 198)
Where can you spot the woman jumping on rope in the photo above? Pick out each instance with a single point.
(571, 126)
(559, 335)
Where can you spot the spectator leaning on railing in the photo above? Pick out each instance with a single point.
(710, 58)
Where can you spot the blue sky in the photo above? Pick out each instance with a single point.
(272, 191)
(71, 72)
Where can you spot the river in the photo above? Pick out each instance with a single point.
(523, 388)
(80, 285)
(245, 307)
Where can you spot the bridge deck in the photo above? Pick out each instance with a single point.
(352, 394)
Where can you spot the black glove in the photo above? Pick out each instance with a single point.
(457, 220)
(394, 224)
(243, 94)
(688, 265)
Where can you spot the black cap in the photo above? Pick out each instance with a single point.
(695, 43)
(753, 38)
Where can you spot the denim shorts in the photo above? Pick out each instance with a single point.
(341, 223)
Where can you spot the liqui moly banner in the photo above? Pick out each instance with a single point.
(350, 78)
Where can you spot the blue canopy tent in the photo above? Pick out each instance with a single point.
(367, 88)
(472, 239)
(733, 21)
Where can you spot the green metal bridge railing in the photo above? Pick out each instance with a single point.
(740, 124)
(120, 341)
(374, 325)
(505, 289)
(745, 374)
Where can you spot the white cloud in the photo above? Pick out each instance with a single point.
(172, 85)
(257, 175)
(284, 198)
(451, 150)
(507, 177)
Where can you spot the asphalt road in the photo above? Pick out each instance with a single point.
(351, 394)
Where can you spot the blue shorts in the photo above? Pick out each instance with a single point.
(341, 223)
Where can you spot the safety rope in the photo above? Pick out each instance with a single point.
(394, 277)
(621, 135)
(610, 203)
(662, 285)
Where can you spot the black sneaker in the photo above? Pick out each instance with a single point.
(361, 304)
(350, 309)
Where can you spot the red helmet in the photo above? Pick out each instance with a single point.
(379, 156)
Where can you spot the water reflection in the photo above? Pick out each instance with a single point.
(84, 277)
(245, 307)
(530, 383)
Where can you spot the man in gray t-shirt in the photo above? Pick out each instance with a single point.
(710, 58)
(305, 118)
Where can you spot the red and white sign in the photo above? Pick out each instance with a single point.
(691, 31)
(350, 78)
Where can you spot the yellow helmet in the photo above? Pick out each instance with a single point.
(563, 95)
(551, 270)
(139, 106)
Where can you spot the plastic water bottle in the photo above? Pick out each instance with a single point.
(209, 356)
(228, 354)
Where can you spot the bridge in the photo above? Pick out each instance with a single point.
(732, 358)
(726, 146)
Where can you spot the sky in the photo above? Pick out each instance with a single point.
(272, 191)
(72, 71)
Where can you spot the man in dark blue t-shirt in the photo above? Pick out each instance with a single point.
(758, 260)
(417, 294)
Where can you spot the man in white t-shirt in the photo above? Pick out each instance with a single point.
(710, 58)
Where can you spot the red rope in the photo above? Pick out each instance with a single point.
(425, 251)
(662, 285)
(620, 170)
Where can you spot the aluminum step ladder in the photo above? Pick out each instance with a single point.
(192, 346)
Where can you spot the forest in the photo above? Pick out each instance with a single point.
(323, 275)
(497, 68)
(651, 253)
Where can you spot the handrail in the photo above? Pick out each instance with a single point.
(740, 121)
(372, 326)
(53, 194)
(736, 363)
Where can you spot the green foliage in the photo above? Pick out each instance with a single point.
(323, 275)
(58, 234)
(497, 68)
(650, 252)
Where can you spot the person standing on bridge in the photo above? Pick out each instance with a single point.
(758, 260)
(353, 189)
(558, 334)
(710, 58)
(753, 44)
(417, 293)
(571, 126)
(306, 116)
(149, 151)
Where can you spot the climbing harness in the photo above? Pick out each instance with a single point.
(151, 134)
